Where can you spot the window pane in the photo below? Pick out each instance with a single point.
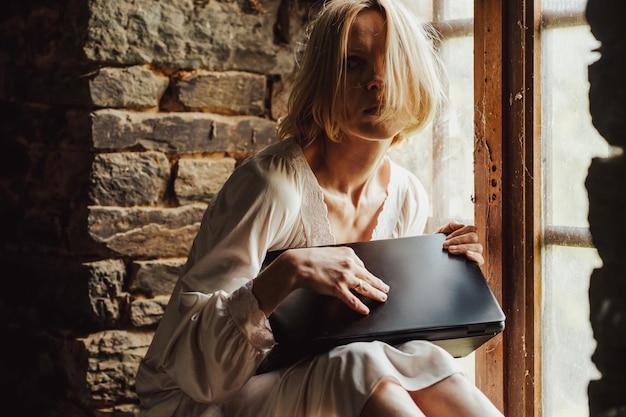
(456, 9)
(567, 336)
(563, 6)
(569, 139)
(443, 157)
(569, 142)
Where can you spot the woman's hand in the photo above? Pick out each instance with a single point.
(463, 240)
(335, 271)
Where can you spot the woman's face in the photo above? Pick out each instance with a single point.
(365, 82)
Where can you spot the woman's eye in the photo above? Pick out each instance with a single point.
(352, 62)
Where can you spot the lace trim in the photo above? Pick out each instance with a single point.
(244, 310)
(314, 209)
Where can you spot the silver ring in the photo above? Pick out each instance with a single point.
(359, 284)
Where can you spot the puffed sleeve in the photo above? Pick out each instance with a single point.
(213, 336)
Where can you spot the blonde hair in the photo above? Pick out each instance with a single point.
(413, 72)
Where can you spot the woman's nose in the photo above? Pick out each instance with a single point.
(376, 80)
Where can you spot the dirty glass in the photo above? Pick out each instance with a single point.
(569, 142)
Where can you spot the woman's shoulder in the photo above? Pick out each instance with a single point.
(274, 173)
(284, 156)
(404, 179)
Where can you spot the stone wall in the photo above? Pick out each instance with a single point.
(121, 120)
(606, 185)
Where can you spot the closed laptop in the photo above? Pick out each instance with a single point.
(433, 296)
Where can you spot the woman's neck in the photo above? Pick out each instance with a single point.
(347, 167)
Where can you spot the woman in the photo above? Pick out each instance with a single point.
(368, 79)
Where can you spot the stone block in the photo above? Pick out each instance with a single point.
(607, 93)
(606, 18)
(155, 277)
(227, 92)
(129, 179)
(216, 35)
(106, 290)
(147, 312)
(198, 180)
(607, 206)
(146, 233)
(180, 132)
(134, 87)
(112, 361)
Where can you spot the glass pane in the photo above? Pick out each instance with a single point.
(443, 157)
(569, 142)
(567, 336)
(563, 6)
(423, 9)
(569, 139)
(456, 9)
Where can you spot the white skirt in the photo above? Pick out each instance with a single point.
(338, 383)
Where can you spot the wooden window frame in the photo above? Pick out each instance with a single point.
(508, 191)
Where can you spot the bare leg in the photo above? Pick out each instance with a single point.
(454, 396)
(389, 399)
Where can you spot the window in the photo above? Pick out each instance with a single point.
(518, 119)
(534, 143)
(569, 141)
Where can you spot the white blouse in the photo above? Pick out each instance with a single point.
(213, 336)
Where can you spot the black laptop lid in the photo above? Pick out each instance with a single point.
(433, 296)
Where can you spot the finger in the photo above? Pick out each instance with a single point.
(462, 249)
(472, 252)
(362, 273)
(450, 227)
(461, 231)
(374, 281)
(352, 301)
(468, 237)
(367, 290)
(475, 256)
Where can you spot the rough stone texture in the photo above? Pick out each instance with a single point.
(607, 93)
(605, 186)
(607, 210)
(200, 179)
(148, 312)
(113, 358)
(226, 92)
(90, 216)
(145, 233)
(607, 290)
(129, 179)
(100, 371)
(218, 35)
(106, 295)
(155, 277)
(180, 132)
(134, 87)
